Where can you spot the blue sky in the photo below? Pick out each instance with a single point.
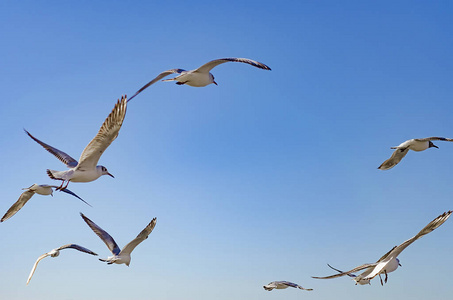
(267, 176)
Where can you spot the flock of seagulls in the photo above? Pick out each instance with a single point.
(87, 170)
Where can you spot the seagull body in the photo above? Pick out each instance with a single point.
(283, 285)
(413, 144)
(389, 261)
(199, 77)
(86, 169)
(55, 253)
(41, 189)
(120, 256)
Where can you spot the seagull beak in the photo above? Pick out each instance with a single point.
(399, 265)
(110, 175)
(215, 83)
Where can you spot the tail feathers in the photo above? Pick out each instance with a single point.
(50, 174)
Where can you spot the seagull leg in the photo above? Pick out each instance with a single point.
(60, 187)
(180, 83)
(386, 276)
(381, 279)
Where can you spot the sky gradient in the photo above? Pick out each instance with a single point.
(268, 176)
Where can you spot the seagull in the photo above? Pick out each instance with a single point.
(86, 170)
(55, 253)
(119, 256)
(199, 77)
(413, 144)
(41, 189)
(283, 285)
(389, 261)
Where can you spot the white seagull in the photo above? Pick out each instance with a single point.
(199, 77)
(55, 253)
(389, 262)
(119, 256)
(283, 285)
(41, 189)
(413, 144)
(86, 170)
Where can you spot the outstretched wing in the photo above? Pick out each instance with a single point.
(339, 271)
(398, 249)
(106, 135)
(73, 194)
(356, 269)
(294, 285)
(105, 237)
(396, 157)
(143, 235)
(62, 156)
(24, 197)
(77, 247)
(208, 66)
(434, 138)
(158, 77)
(35, 265)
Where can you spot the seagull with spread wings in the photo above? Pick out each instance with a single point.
(283, 285)
(55, 253)
(415, 145)
(201, 76)
(389, 262)
(120, 256)
(41, 189)
(86, 169)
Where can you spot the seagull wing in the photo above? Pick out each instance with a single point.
(434, 138)
(143, 235)
(359, 268)
(350, 275)
(396, 157)
(158, 77)
(71, 193)
(35, 265)
(105, 237)
(24, 197)
(398, 249)
(106, 135)
(62, 156)
(294, 285)
(77, 247)
(213, 63)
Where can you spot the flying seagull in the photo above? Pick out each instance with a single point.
(41, 189)
(283, 285)
(86, 170)
(119, 256)
(389, 262)
(199, 77)
(55, 253)
(403, 148)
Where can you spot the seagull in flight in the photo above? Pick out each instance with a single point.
(283, 285)
(119, 256)
(86, 169)
(199, 77)
(55, 253)
(389, 261)
(413, 144)
(41, 189)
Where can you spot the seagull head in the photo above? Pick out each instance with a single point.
(104, 171)
(432, 145)
(211, 77)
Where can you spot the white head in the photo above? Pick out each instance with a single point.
(211, 78)
(103, 171)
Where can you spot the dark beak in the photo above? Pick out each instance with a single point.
(215, 83)
(435, 146)
(110, 175)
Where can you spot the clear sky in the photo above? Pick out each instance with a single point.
(267, 176)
